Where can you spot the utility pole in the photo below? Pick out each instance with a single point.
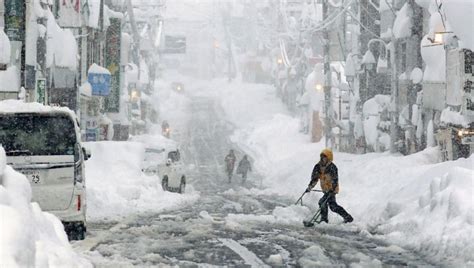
(327, 80)
(394, 99)
(136, 35)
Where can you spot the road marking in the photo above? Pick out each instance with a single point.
(249, 257)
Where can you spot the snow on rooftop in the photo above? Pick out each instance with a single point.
(109, 14)
(10, 80)
(61, 46)
(94, 13)
(402, 25)
(5, 48)
(459, 14)
(433, 55)
(454, 118)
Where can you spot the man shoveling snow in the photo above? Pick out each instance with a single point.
(326, 171)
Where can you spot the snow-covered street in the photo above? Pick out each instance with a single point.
(231, 224)
(236, 133)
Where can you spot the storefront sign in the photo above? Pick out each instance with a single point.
(112, 102)
(41, 90)
(92, 131)
(91, 134)
(100, 83)
(15, 19)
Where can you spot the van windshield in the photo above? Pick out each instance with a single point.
(34, 134)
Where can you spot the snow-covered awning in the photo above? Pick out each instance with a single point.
(109, 14)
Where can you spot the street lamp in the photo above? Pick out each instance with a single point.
(319, 87)
(368, 60)
(438, 38)
(134, 95)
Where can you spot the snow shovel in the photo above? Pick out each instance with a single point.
(300, 200)
(316, 217)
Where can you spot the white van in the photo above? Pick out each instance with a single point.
(44, 144)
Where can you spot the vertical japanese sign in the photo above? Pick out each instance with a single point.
(15, 20)
(112, 62)
(41, 90)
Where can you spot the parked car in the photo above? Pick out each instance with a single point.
(172, 174)
(162, 158)
(44, 144)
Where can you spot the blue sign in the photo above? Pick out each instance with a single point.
(100, 83)
(91, 134)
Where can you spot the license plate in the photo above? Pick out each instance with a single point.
(33, 176)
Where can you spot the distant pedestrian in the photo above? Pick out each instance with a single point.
(230, 163)
(244, 167)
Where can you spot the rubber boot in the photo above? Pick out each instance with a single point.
(324, 214)
(346, 216)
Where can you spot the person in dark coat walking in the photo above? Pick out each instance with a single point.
(229, 164)
(244, 167)
(326, 172)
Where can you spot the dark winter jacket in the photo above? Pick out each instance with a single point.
(326, 174)
(244, 166)
(230, 161)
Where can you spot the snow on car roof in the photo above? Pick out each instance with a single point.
(18, 106)
(156, 142)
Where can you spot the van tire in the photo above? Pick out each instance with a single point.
(75, 230)
(80, 231)
(182, 185)
(164, 183)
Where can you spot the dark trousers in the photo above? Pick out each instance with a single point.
(329, 199)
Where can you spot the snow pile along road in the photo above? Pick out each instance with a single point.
(30, 237)
(411, 201)
(117, 187)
